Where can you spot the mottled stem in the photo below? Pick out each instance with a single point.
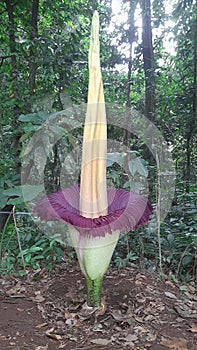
(94, 289)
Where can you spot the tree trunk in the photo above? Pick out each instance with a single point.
(148, 59)
(131, 38)
(192, 121)
(14, 72)
(32, 51)
(12, 44)
(127, 134)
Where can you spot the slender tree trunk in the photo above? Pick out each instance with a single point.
(192, 121)
(32, 70)
(32, 51)
(127, 134)
(148, 58)
(14, 73)
(131, 32)
(12, 44)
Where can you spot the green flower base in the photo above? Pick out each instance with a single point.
(94, 289)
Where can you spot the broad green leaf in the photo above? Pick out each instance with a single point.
(195, 241)
(16, 201)
(115, 157)
(35, 249)
(57, 130)
(25, 192)
(14, 191)
(136, 166)
(25, 136)
(31, 117)
(187, 259)
(29, 192)
(3, 199)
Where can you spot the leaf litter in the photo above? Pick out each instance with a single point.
(138, 312)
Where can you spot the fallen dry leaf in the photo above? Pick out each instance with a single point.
(191, 296)
(131, 338)
(174, 343)
(62, 346)
(54, 336)
(117, 315)
(42, 347)
(41, 325)
(193, 328)
(170, 295)
(140, 329)
(18, 289)
(38, 297)
(171, 284)
(139, 319)
(102, 308)
(152, 337)
(86, 312)
(185, 312)
(138, 283)
(50, 333)
(100, 341)
(68, 315)
(3, 337)
(192, 288)
(149, 318)
(19, 309)
(140, 298)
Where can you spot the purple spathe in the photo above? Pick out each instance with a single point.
(126, 210)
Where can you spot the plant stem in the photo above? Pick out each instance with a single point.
(94, 288)
(18, 238)
(158, 212)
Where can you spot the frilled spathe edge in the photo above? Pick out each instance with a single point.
(126, 210)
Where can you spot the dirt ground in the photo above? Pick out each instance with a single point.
(47, 311)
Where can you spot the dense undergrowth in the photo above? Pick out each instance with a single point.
(178, 243)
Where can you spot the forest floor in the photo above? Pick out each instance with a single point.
(47, 311)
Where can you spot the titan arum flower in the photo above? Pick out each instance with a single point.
(94, 215)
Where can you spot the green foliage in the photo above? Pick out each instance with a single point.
(178, 239)
(179, 234)
(133, 168)
(37, 250)
(121, 262)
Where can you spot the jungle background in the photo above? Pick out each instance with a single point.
(149, 63)
(149, 67)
